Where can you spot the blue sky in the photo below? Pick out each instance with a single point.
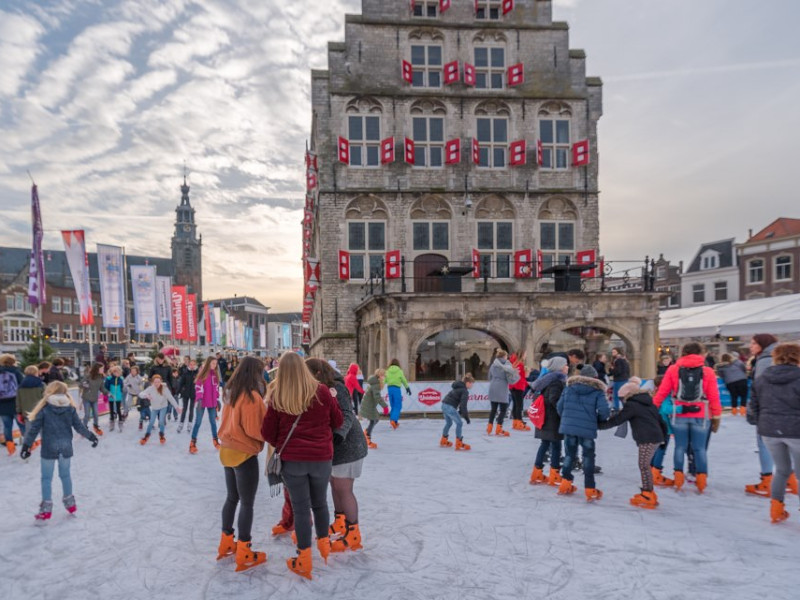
(104, 100)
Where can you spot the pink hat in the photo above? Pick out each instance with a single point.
(630, 387)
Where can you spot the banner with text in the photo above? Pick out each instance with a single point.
(75, 249)
(112, 285)
(164, 303)
(191, 316)
(143, 283)
(180, 331)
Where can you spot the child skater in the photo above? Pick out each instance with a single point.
(91, 386)
(55, 417)
(187, 393)
(114, 388)
(159, 397)
(369, 404)
(133, 386)
(454, 407)
(206, 389)
(394, 379)
(29, 394)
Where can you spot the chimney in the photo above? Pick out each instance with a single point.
(749, 233)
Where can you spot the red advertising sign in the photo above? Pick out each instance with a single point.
(180, 330)
(191, 316)
(429, 396)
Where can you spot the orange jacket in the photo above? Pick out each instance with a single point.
(241, 425)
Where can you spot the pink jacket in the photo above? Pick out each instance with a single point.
(206, 392)
(669, 386)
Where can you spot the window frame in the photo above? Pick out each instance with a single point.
(365, 252)
(556, 255)
(66, 333)
(551, 150)
(55, 305)
(698, 288)
(425, 6)
(494, 252)
(428, 145)
(490, 70)
(364, 145)
(65, 302)
(751, 268)
(430, 249)
(785, 266)
(426, 68)
(487, 6)
(720, 286)
(492, 146)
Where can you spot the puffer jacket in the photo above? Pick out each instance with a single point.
(186, 387)
(29, 393)
(647, 425)
(501, 374)
(7, 405)
(731, 372)
(56, 421)
(669, 386)
(349, 443)
(582, 403)
(775, 402)
(521, 383)
(550, 386)
(351, 380)
(206, 392)
(372, 398)
(458, 398)
(115, 387)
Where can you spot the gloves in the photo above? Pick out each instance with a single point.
(689, 409)
(20, 418)
(715, 424)
(385, 411)
(408, 391)
(25, 453)
(95, 440)
(467, 420)
(338, 438)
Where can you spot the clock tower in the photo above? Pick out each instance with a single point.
(186, 247)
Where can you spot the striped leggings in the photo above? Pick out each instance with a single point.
(646, 452)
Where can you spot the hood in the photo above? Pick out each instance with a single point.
(31, 381)
(691, 360)
(373, 380)
(4, 369)
(546, 380)
(641, 398)
(587, 382)
(781, 374)
(337, 378)
(59, 400)
(499, 361)
(353, 369)
(457, 385)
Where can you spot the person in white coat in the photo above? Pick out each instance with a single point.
(160, 398)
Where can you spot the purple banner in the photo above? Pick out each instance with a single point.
(37, 294)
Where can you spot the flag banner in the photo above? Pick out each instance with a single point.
(312, 272)
(231, 329)
(37, 293)
(311, 180)
(191, 316)
(311, 160)
(143, 283)
(248, 337)
(112, 285)
(216, 317)
(208, 325)
(180, 331)
(163, 305)
(262, 335)
(75, 249)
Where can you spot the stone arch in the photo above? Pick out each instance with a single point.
(493, 107)
(505, 337)
(494, 207)
(364, 104)
(428, 107)
(555, 108)
(426, 34)
(366, 207)
(489, 35)
(431, 206)
(631, 345)
(558, 209)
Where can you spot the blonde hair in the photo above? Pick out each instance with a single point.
(501, 353)
(380, 373)
(31, 370)
(7, 360)
(294, 388)
(53, 388)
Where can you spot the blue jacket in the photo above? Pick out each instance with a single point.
(582, 402)
(56, 421)
(115, 387)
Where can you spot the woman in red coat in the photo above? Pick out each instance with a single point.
(518, 390)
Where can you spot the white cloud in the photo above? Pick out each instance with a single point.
(19, 46)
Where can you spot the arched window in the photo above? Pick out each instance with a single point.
(495, 235)
(427, 125)
(426, 57)
(554, 133)
(491, 128)
(489, 53)
(366, 236)
(430, 224)
(364, 131)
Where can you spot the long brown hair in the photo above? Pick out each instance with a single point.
(205, 370)
(94, 372)
(247, 380)
(322, 371)
(294, 388)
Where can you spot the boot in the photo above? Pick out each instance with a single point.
(180, 428)
(227, 546)
(566, 488)
(489, 429)
(762, 488)
(111, 426)
(516, 424)
(777, 511)
(701, 482)
(11, 447)
(593, 494)
(444, 442)
(554, 478)
(193, 446)
(69, 504)
(141, 425)
(246, 558)
(350, 541)
(324, 548)
(216, 443)
(162, 438)
(301, 564)
(146, 437)
(523, 426)
(99, 431)
(280, 529)
(338, 527)
(460, 445)
(45, 511)
(370, 444)
(646, 499)
(498, 430)
(394, 424)
(537, 476)
(660, 480)
(791, 484)
(679, 480)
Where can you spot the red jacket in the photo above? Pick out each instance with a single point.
(669, 386)
(312, 439)
(522, 382)
(351, 380)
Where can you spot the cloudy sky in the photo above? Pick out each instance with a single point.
(103, 100)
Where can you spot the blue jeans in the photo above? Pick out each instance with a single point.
(144, 412)
(658, 457)
(767, 466)
(161, 415)
(198, 420)
(89, 408)
(8, 427)
(615, 387)
(395, 402)
(451, 416)
(48, 466)
(555, 454)
(692, 431)
(571, 443)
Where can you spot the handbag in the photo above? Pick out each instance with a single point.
(275, 465)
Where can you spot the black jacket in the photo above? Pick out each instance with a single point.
(186, 384)
(647, 426)
(775, 402)
(621, 369)
(458, 397)
(163, 370)
(553, 386)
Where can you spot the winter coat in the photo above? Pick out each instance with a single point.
(206, 392)
(349, 443)
(29, 393)
(351, 380)
(91, 388)
(7, 405)
(312, 440)
(582, 402)
(775, 402)
(395, 377)
(163, 370)
(114, 388)
(620, 369)
(501, 374)
(550, 386)
(56, 421)
(763, 361)
(458, 397)
(186, 387)
(53, 374)
(521, 383)
(372, 398)
(647, 425)
(158, 401)
(133, 384)
(241, 425)
(669, 386)
(731, 372)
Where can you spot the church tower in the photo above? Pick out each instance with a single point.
(187, 247)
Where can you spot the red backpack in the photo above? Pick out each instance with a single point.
(536, 412)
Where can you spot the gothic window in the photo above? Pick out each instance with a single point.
(430, 224)
(364, 131)
(426, 60)
(496, 246)
(488, 9)
(557, 231)
(554, 134)
(366, 235)
(426, 8)
(490, 67)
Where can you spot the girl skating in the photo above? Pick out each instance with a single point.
(159, 397)
(206, 391)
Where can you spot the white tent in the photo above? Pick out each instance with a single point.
(777, 315)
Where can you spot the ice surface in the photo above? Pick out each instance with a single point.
(436, 524)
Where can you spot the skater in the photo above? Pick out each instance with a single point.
(174, 387)
(353, 386)
(241, 442)
(187, 393)
(775, 410)
(369, 405)
(91, 387)
(649, 432)
(158, 397)
(349, 451)
(394, 379)
(454, 408)
(691, 383)
(161, 368)
(55, 417)
(10, 380)
(734, 374)
(501, 374)
(582, 403)
(518, 390)
(300, 421)
(206, 391)
(114, 387)
(620, 372)
(761, 347)
(133, 385)
(29, 394)
(550, 387)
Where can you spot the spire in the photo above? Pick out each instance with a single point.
(185, 189)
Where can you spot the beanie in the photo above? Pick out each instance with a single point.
(557, 363)
(630, 387)
(589, 371)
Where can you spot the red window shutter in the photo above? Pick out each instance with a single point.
(539, 153)
(508, 6)
(452, 152)
(539, 264)
(311, 180)
(408, 72)
(516, 75)
(387, 150)
(344, 265)
(586, 257)
(409, 151)
(469, 74)
(476, 263)
(444, 5)
(476, 152)
(393, 264)
(413, 3)
(344, 151)
(580, 153)
(476, 6)
(518, 151)
(311, 161)
(523, 264)
(451, 73)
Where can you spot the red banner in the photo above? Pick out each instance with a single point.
(191, 316)
(180, 331)
(209, 328)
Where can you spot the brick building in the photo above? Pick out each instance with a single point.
(768, 261)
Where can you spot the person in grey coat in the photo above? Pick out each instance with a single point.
(761, 347)
(501, 374)
(91, 386)
(734, 375)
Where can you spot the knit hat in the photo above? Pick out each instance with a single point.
(333, 365)
(630, 387)
(589, 371)
(557, 363)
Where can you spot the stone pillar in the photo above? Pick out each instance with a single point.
(403, 352)
(369, 366)
(648, 344)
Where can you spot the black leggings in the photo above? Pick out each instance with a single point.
(307, 483)
(371, 426)
(188, 403)
(115, 410)
(242, 484)
(518, 396)
(356, 400)
(499, 409)
(738, 391)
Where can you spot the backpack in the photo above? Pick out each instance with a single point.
(690, 384)
(536, 412)
(8, 385)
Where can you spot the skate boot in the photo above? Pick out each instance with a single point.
(460, 445)
(97, 430)
(791, 484)
(444, 442)
(301, 564)
(119, 427)
(111, 426)
(593, 494)
(566, 488)
(500, 431)
(162, 438)
(370, 444)
(141, 425)
(350, 541)
(324, 548)
(338, 528)
(227, 546)
(45, 511)
(679, 480)
(246, 558)
(701, 482)
(193, 446)
(11, 447)
(280, 529)
(394, 425)
(554, 477)
(763, 488)
(523, 426)
(180, 428)
(645, 499)
(777, 511)
(660, 480)
(144, 440)
(69, 504)
(216, 443)
(537, 476)
(489, 429)
(516, 424)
